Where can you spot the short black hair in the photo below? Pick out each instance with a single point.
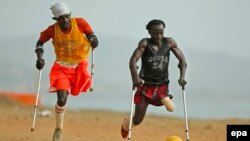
(154, 22)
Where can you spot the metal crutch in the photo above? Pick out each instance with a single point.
(131, 115)
(37, 97)
(185, 112)
(92, 71)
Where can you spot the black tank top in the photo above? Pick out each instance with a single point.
(154, 70)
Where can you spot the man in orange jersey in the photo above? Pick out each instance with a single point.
(72, 39)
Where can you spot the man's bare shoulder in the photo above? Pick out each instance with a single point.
(172, 43)
(143, 43)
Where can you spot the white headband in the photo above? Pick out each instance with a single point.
(59, 9)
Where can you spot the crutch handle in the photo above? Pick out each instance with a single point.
(183, 87)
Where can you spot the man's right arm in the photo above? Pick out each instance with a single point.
(44, 37)
(39, 49)
(133, 60)
(39, 52)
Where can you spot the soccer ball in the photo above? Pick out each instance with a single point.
(173, 138)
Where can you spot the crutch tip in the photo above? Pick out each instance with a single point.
(32, 129)
(91, 89)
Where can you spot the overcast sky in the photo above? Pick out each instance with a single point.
(213, 35)
(218, 25)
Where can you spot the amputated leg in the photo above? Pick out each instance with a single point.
(168, 104)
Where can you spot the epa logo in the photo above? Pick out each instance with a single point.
(238, 132)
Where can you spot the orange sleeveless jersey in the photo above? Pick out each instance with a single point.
(72, 47)
(72, 53)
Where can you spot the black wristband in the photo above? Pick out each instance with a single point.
(39, 50)
(91, 36)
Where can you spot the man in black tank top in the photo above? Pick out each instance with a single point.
(152, 81)
(155, 62)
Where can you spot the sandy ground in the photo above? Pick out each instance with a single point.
(87, 125)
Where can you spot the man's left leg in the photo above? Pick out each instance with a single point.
(60, 107)
(140, 111)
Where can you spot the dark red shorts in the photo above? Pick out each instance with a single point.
(153, 94)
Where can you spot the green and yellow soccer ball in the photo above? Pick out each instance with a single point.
(173, 138)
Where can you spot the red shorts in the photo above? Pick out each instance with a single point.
(75, 80)
(153, 94)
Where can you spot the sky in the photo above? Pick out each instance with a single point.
(213, 35)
